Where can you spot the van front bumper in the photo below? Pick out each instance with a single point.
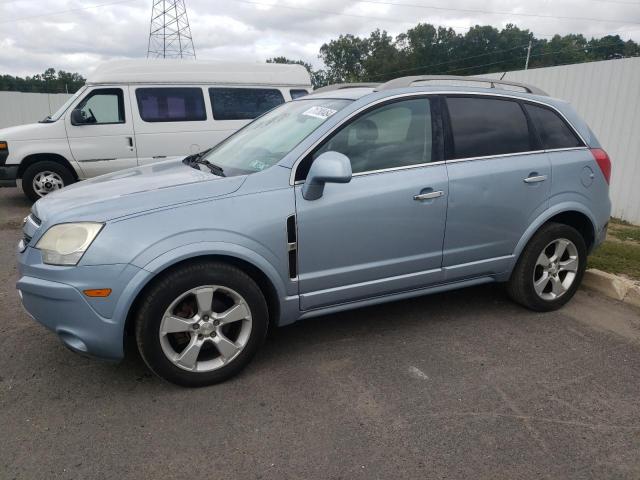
(53, 297)
(8, 175)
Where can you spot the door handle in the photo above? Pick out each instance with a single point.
(130, 142)
(428, 195)
(535, 179)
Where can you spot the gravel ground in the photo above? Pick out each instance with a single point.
(457, 385)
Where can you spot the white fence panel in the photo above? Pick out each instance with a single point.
(607, 96)
(19, 108)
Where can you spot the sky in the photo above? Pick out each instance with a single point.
(77, 35)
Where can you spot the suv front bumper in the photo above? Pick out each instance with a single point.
(8, 175)
(53, 297)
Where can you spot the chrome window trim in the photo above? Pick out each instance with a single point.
(489, 157)
(566, 149)
(294, 168)
(393, 169)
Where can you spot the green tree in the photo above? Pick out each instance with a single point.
(427, 49)
(49, 81)
(317, 76)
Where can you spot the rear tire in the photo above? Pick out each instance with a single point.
(550, 269)
(179, 314)
(45, 177)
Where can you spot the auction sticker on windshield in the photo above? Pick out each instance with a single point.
(319, 112)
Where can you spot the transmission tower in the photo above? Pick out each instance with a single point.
(170, 34)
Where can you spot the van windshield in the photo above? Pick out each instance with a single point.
(266, 140)
(64, 107)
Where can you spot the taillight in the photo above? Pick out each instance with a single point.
(604, 162)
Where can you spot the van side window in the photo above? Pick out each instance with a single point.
(553, 130)
(103, 106)
(487, 126)
(297, 93)
(394, 135)
(243, 103)
(181, 104)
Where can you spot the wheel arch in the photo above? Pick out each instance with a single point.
(265, 283)
(51, 157)
(571, 214)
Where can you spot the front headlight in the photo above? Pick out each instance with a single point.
(65, 243)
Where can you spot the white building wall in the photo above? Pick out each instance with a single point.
(607, 96)
(19, 108)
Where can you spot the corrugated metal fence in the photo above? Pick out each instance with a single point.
(19, 108)
(607, 96)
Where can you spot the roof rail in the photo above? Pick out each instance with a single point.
(342, 86)
(409, 81)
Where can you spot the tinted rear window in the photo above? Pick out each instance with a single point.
(297, 93)
(243, 103)
(171, 104)
(487, 126)
(553, 130)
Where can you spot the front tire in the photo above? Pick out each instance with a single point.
(550, 269)
(45, 177)
(201, 324)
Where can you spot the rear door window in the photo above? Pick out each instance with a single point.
(553, 130)
(181, 104)
(487, 126)
(243, 103)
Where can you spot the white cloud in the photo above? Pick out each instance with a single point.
(253, 30)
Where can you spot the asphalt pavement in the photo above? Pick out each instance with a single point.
(462, 385)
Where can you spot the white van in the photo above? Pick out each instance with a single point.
(136, 112)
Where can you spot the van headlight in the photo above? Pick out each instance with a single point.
(65, 243)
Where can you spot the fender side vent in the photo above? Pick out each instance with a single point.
(292, 246)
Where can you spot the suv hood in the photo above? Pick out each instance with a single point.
(132, 191)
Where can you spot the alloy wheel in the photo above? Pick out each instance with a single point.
(205, 328)
(556, 269)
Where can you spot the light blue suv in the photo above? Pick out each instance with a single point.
(344, 198)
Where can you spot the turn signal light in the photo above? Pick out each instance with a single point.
(3, 145)
(98, 292)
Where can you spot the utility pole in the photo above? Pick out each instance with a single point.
(526, 65)
(169, 33)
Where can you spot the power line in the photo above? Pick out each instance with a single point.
(492, 12)
(404, 70)
(394, 20)
(61, 12)
(288, 7)
(535, 55)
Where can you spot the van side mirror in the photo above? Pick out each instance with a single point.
(330, 167)
(77, 118)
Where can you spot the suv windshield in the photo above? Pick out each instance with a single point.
(266, 140)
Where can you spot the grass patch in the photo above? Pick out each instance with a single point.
(618, 257)
(624, 232)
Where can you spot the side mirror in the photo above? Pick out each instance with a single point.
(330, 167)
(77, 118)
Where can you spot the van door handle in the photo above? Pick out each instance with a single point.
(535, 179)
(130, 142)
(428, 195)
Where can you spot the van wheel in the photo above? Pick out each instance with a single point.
(550, 268)
(201, 324)
(45, 177)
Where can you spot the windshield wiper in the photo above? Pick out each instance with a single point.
(46, 119)
(197, 159)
